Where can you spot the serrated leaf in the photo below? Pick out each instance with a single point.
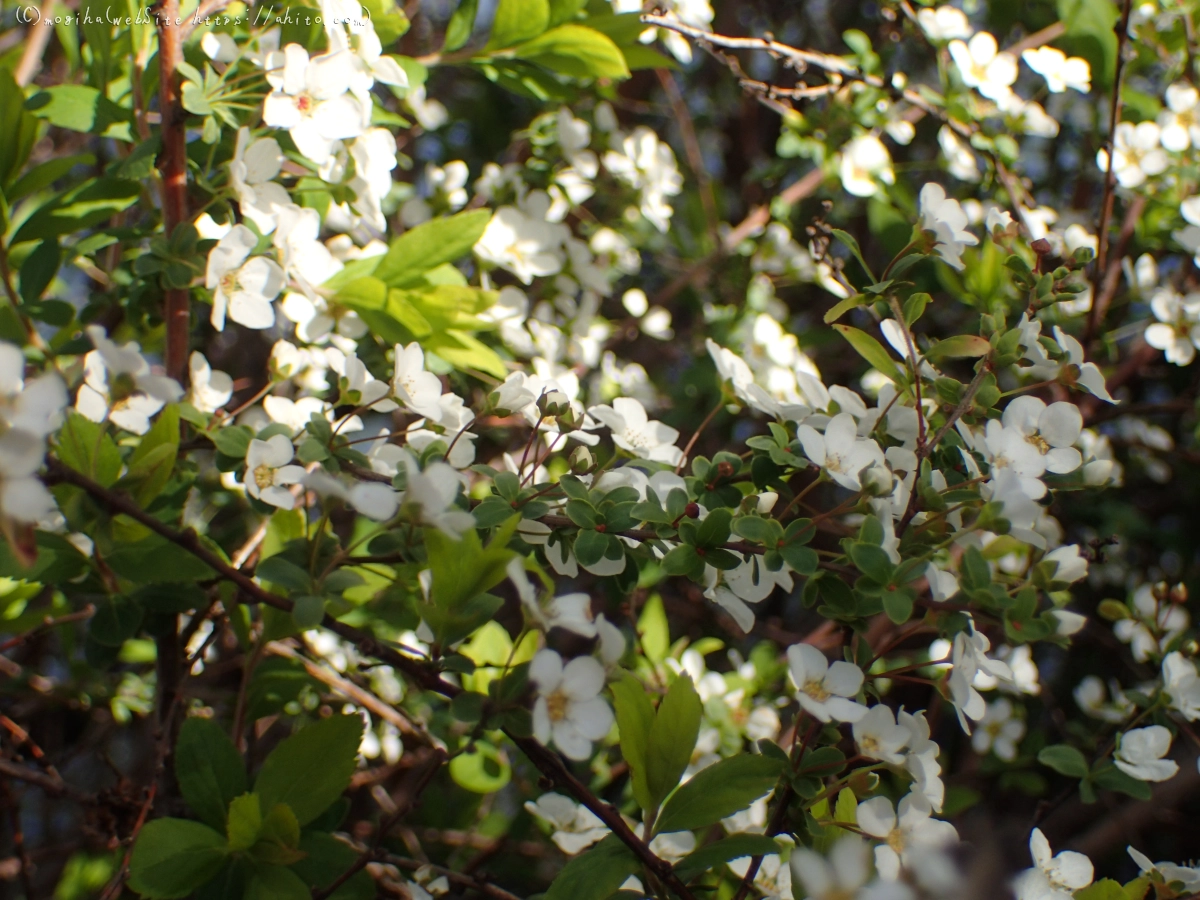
(209, 769)
(718, 791)
(310, 769)
(173, 857)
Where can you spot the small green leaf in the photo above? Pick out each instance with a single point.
(635, 719)
(1064, 759)
(577, 51)
(116, 620)
(872, 561)
(517, 21)
(596, 873)
(244, 822)
(461, 24)
(962, 346)
(209, 769)
(672, 738)
(429, 245)
(310, 769)
(872, 351)
(173, 857)
(482, 770)
(718, 791)
(1113, 779)
(844, 306)
(852, 245)
(654, 629)
(276, 883)
(736, 846)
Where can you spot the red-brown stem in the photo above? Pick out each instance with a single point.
(173, 165)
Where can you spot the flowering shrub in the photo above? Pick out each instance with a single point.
(567, 447)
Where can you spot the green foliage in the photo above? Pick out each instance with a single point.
(596, 873)
(310, 769)
(173, 857)
(718, 791)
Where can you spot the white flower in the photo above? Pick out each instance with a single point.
(839, 451)
(360, 388)
(960, 160)
(1177, 331)
(306, 261)
(219, 46)
(23, 497)
(999, 730)
(865, 164)
(575, 826)
(1051, 430)
(372, 499)
(432, 492)
(524, 244)
(1140, 754)
(879, 737)
(35, 406)
(243, 288)
(1136, 154)
(1153, 626)
(1090, 378)
(1182, 684)
(119, 385)
(982, 67)
(908, 827)
(944, 216)
(210, 390)
(251, 171)
(632, 430)
(648, 165)
(1059, 71)
(922, 758)
(825, 689)
(1189, 877)
(944, 23)
(1180, 121)
(1052, 878)
(969, 657)
(1070, 565)
(569, 708)
(844, 875)
(942, 585)
(268, 472)
(1089, 697)
(774, 877)
(311, 100)
(416, 389)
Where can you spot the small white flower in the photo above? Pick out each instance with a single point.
(1051, 430)
(1151, 617)
(944, 216)
(1090, 378)
(999, 730)
(969, 657)
(942, 585)
(243, 288)
(1140, 754)
(824, 688)
(268, 472)
(306, 261)
(36, 405)
(844, 875)
(1071, 566)
(921, 760)
(1188, 876)
(569, 708)
(865, 164)
(634, 431)
(1059, 71)
(879, 737)
(1136, 154)
(1180, 121)
(251, 172)
(1052, 877)
(907, 828)
(432, 492)
(210, 389)
(981, 66)
(839, 451)
(960, 160)
(119, 385)
(416, 389)
(648, 165)
(575, 826)
(1182, 684)
(524, 244)
(311, 100)
(944, 23)
(1177, 331)
(23, 497)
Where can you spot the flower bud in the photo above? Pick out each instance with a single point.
(877, 481)
(581, 461)
(1179, 593)
(725, 469)
(766, 502)
(553, 404)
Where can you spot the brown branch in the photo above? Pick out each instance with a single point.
(37, 36)
(55, 787)
(1110, 177)
(691, 146)
(1112, 275)
(48, 623)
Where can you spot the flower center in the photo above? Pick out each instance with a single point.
(264, 476)
(895, 840)
(816, 690)
(229, 283)
(305, 103)
(556, 706)
(1038, 441)
(869, 746)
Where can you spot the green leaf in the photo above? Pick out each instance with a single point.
(209, 769)
(42, 176)
(463, 351)
(116, 620)
(672, 738)
(1064, 759)
(844, 306)
(310, 769)
(151, 464)
(517, 21)
(762, 531)
(233, 441)
(39, 270)
(465, 569)
(872, 351)
(654, 629)
(596, 873)
(736, 846)
(18, 131)
(78, 107)
(483, 770)
(898, 605)
(872, 561)
(85, 446)
(1113, 779)
(80, 207)
(325, 860)
(461, 24)
(962, 346)
(635, 719)
(278, 837)
(1106, 889)
(276, 883)
(590, 547)
(244, 822)
(714, 530)
(1090, 34)
(718, 791)
(173, 857)
(577, 51)
(852, 245)
(430, 245)
(155, 559)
